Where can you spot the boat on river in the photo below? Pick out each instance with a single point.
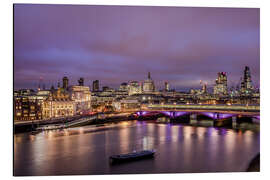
(136, 155)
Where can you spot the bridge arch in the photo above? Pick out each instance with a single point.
(215, 115)
(171, 114)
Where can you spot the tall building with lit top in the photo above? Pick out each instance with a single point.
(167, 86)
(220, 87)
(148, 84)
(204, 89)
(246, 84)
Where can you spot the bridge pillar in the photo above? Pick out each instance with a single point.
(216, 115)
(193, 118)
(234, 121)
(244, 119)
(172, 114)
(139, 113)
(223, 122)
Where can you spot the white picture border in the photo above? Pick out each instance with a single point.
(6, 10)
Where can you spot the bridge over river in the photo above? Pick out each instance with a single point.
(220, 114)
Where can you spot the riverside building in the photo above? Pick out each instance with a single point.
(81, 96)
(59, 104)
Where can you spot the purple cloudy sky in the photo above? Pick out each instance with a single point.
(116, 44)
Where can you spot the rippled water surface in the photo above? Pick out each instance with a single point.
(180, 149)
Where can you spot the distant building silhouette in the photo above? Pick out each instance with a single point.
(65, 82)
(95, 85)
(81, 82)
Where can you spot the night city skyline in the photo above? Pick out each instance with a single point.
(102, 90)
(119, 44)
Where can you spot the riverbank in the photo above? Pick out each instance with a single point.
(114, 119)
(97, 121)
(254, 165)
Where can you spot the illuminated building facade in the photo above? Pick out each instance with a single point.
(58, 104)
(128, 103)
(148, 84)
(24, 92)
(81, 95)
(220, 87)
(134, 88)
(28, 104)
(27, 108)
(123, 87)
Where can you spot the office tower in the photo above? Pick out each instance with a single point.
(167, 86)
(96, 85)
(246, 84)
(220, 87)
(65, 82)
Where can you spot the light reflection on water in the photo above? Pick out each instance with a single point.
(180, 148)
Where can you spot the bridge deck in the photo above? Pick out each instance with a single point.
(230, 108)
(213, 111)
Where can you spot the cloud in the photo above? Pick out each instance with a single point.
(115, 44)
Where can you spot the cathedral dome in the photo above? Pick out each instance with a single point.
(148, 85)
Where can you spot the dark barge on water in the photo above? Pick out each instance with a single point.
(136, 155)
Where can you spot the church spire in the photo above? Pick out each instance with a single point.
(149, 75)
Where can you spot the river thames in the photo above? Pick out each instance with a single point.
(179, 149)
